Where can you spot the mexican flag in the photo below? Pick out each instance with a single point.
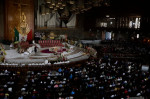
(29, 36)
(16, 35)
(19, 37)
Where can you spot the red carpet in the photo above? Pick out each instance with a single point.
(47, 51)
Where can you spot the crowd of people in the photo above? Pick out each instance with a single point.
(103, 77)
(9, 83)
(95, 79)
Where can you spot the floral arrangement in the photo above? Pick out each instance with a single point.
(2, 53)
(92, 51)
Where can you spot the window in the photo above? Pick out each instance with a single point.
(135, 23)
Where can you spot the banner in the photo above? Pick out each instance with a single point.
(29, 36)
(16, 35)
(22, 37)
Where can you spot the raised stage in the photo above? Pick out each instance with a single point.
(47, 55)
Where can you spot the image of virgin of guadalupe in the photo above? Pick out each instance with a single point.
(23, 29)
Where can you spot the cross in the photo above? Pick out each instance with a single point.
(19, 5)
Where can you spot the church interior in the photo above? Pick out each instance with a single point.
(74, 49)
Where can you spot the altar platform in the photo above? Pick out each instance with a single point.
(46, 56)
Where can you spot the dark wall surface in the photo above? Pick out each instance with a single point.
(1, 20)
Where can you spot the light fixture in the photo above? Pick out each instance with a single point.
(51, 6)
(57, 5)
(47, 10)
(71, 6)
(59, 2)
(55, 8)
(48, 1)
(64, 4)
(61, 7)
(53, 2)
(107, 16)
(43, 9)
(71, 1)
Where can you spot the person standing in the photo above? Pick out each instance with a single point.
(35, 49)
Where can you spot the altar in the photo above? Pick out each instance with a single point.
(57, 53)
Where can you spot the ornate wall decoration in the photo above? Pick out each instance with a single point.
(19, 14)
(23, 26)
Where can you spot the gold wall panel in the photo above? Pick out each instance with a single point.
(13, 10)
